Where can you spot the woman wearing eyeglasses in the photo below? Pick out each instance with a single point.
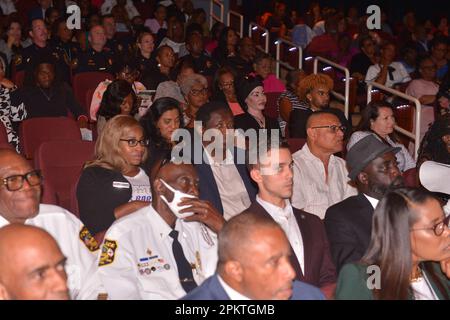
(195, 90)
(377, 118)
(114, 184)
(225, 89)
(409, 253)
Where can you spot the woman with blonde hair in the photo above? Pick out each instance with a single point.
(113, 184)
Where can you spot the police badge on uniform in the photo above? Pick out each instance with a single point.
(88, 240)
(108, 251)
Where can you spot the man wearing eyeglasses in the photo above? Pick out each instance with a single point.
(373, 168)
(20, 193)
(320, 177)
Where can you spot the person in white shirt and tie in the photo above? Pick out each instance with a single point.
(272, 170)
(166, 249)
(373, 168)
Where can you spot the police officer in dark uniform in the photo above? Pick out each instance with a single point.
(62, 41)
(115, 45)
(144, 56)
(97, 57)
(41, 48)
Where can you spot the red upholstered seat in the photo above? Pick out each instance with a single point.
(61, 163)
(33, 132)
(84, 81)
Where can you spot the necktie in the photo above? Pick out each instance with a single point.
(184, 267)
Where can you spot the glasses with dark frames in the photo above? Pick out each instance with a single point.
(334, 128)
(15, 182)
(134, 142)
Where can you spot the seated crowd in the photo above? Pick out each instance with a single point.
(195, 190)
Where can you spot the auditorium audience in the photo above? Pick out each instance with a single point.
(175, 61)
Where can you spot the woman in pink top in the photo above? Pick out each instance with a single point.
(159, 20)
(425, 89)
(263, 68)
(126, 70)
(225, 90)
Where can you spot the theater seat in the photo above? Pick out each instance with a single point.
(84, 81)
(61, 163)
(33, 132)
(271, 109)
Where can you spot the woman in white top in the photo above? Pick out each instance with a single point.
(159, 20)
(378, 119)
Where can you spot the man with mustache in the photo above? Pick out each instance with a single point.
(373, 168)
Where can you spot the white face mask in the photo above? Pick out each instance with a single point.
(177, 196)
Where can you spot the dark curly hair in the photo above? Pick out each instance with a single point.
(114, 96)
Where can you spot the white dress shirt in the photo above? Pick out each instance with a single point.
(286, 219)
(232, 191)
(137, 262)
(373, 201)
(68, 231)
(400, 75)
(232, 294)
(312, 193)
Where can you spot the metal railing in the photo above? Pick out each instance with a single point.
(346, 96)
(413, 135)
(293, 47)
(241, 21)
(212, 16)
(252, 26)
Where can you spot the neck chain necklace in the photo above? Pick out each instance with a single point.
(49, 97)
(416, 275)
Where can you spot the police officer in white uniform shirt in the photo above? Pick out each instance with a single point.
(162, 251)
(20, 193)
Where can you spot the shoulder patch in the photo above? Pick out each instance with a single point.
(88, 240)
(108, 252)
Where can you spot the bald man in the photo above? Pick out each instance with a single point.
(161, 251)
(32, 266)
(20, 193)
(254, 264)
(320, 178)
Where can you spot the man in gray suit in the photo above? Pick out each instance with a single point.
(253, 264)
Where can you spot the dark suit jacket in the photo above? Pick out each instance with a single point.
(349, 226)
(208, 187)
(211, 289)
(320, 270)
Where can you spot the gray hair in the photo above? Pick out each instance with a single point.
(189, 81)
